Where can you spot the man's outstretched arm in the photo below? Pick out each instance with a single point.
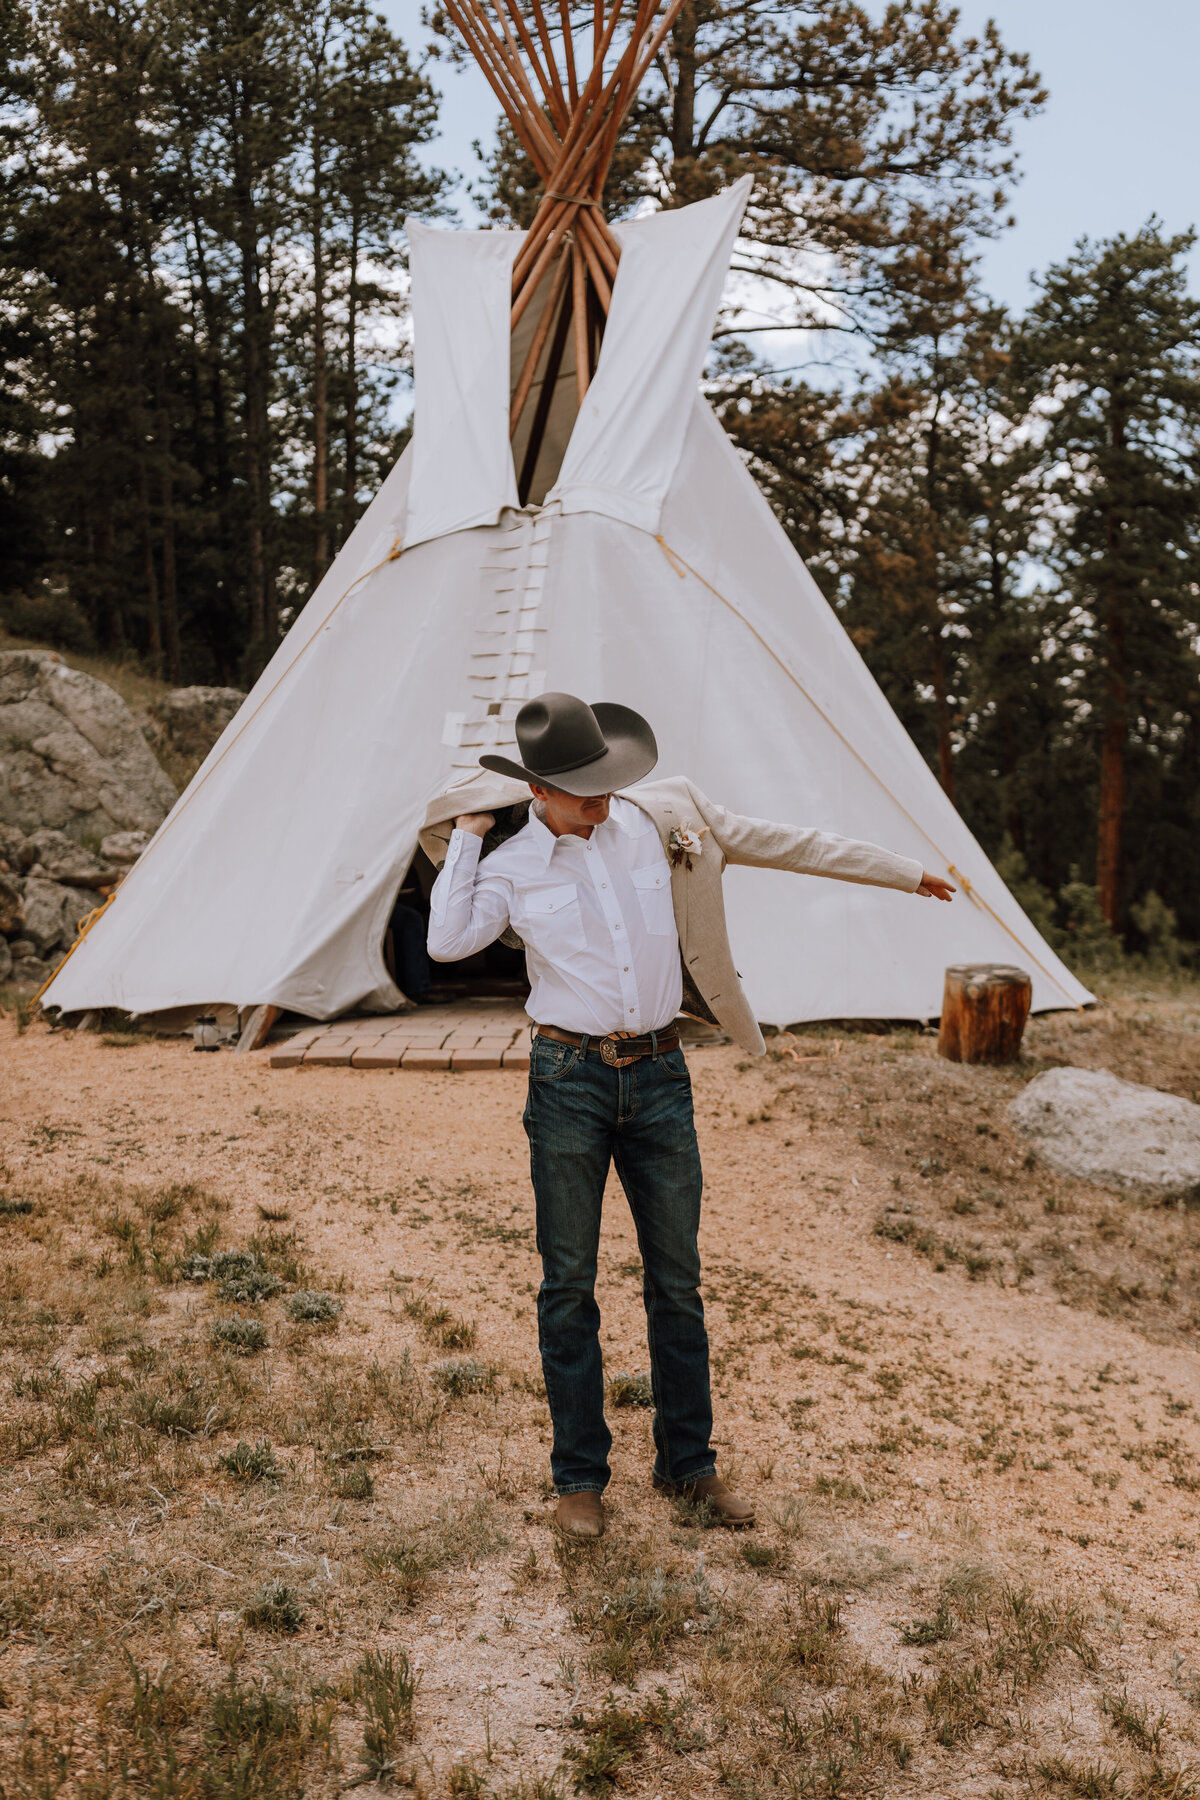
(467, 911)
(765, 844)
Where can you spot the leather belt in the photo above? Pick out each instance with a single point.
(617, 1052)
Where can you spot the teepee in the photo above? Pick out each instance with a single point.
(569, 515)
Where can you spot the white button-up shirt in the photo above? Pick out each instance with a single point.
(595, 915)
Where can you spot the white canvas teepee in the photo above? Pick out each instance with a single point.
(654, 573)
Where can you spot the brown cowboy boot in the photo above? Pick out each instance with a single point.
(731, 1509)
(580, 1515)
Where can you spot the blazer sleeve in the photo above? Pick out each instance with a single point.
(763, 844)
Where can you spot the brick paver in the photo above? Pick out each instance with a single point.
(467, 1036)
(379, 1056)
(425, 1059)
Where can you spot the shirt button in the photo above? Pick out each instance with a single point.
(604, 884)
(631, 1009)
(626, 968)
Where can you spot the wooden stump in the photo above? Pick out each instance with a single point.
(984, 1010)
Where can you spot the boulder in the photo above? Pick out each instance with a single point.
(1088, 1123)
(43, 913)
(193, 718)
(60, 858)
(29, 972)
(6, 962)
(77, 903)
(124, 847)
(72, 757)
(12, 906)
(11, 843)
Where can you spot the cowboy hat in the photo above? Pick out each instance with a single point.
(577, 748)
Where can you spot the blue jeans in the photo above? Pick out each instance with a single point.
(581, 1115)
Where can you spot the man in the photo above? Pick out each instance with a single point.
(617, 897)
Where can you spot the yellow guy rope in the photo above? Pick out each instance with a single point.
(682, 567)
(84, 926)
(94, 917)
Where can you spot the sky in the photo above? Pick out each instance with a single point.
(1118, 140)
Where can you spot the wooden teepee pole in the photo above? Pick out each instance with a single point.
(569, 123)
(568, 37)
(538, 344)
(583, 371)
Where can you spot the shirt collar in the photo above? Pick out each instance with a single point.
(540, 835)
(620, 814)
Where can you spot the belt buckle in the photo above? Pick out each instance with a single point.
(608, 1052)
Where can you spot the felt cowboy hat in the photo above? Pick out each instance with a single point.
(564, 743)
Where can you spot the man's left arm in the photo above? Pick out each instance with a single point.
(765, 844)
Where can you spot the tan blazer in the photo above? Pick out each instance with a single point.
(711, 984)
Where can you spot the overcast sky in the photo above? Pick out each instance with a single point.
(1119, 139)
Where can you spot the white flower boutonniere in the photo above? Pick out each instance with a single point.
(685, 842)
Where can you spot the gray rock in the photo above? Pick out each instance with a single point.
(6, 961)
(71, 755)
(43, 913)
(193, 718)
(124, 847)
(1086, 1122)
(62, 859)
(23, 947)
(11, 844)
(77, 903)
(12, 906)
(29, 972)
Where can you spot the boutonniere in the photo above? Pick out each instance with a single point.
(684, 843)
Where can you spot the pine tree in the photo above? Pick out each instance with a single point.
(858, 130)
(23, 545)
(1113, 342)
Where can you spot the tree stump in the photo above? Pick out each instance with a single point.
(984, 1010)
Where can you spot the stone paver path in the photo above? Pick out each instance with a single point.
(468, 1034)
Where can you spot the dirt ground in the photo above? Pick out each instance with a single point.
(303, 1552)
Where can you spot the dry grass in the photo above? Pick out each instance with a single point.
(126, 675)
(275, 1512)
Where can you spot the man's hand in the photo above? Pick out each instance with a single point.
(933, 887)
(479, 824)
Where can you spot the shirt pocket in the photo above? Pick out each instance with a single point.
(654, 893)
(552, 922)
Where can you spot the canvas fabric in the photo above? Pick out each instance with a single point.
(656, 576)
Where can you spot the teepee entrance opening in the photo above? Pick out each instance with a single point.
(496, 972)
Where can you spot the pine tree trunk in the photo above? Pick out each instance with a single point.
(149, 577)
(320, 407)
(112, 619)
(1112, 766)
(937, 643)
(1013, 822)
(941, 705)
(170, 603)
(350, 489)
(1116, 722)
(255, 340)
(257, 452)
(208, 352)
(683, 107)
